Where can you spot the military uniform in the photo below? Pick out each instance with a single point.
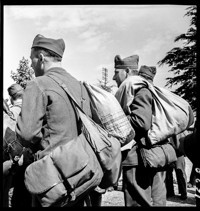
(142, 184)
(48, 118)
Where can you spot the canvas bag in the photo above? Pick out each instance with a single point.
(177, 112)
(105, 146)
(107, 111)
(171, 113)
(158, 156)
(64, 176)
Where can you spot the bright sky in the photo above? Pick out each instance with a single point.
(94, 35)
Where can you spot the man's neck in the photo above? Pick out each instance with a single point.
(50, 65)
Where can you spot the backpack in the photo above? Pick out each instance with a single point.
(107, 148)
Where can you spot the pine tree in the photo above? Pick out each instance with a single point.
(24, 73)
(183, 61)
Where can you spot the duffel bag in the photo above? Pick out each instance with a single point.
(64, 176)
(171, 113)
(108, 112)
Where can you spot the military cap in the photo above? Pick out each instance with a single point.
(57, 46)
(148, 71)
(128, 62)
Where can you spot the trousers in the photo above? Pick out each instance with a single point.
(180, 176)
(143, 187)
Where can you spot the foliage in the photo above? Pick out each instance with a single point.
(183, 61)
(24, 73)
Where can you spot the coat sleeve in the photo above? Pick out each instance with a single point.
(141, 112)
(30, 121)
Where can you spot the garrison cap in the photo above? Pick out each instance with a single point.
(57, 46)
(148, 71)
(128, 62)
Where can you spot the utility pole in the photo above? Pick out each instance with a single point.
(104, 76)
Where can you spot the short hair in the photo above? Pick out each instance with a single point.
(134, 71)
(48, 53)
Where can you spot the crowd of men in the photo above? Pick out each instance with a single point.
(46, 118)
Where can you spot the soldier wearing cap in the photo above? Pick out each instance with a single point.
(124, 68)
(147, 72)
(48, 117)
(158, 191)
(138, 183)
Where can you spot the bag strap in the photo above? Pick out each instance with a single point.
(63, 85)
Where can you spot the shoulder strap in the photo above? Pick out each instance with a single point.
(63, 85)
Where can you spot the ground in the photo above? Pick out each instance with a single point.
(115, 198)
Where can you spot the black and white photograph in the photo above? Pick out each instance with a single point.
(100, 105)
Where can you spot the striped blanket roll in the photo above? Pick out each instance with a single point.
(108, 112)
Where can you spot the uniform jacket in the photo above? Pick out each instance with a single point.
(48, 118)
(140, 117)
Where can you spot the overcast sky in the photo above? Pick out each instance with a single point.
(94, 35)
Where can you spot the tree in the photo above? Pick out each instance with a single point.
(24, 73)
(183, 61)
(104, 82)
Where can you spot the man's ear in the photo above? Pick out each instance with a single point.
(41, 57)
(127, 70)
